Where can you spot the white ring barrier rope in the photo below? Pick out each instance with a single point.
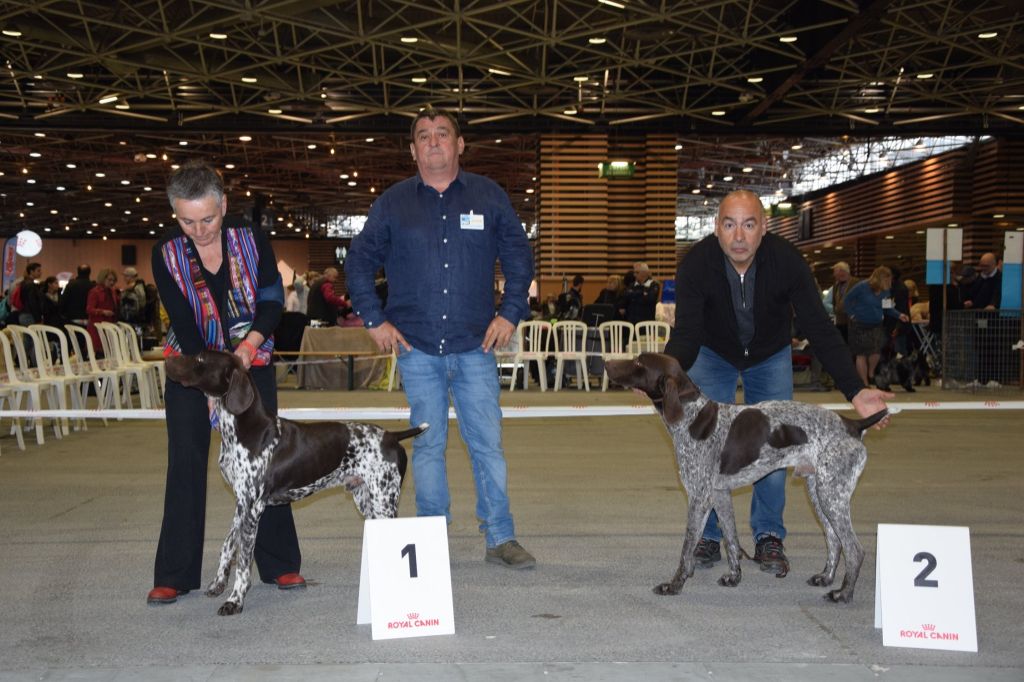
(508, 412)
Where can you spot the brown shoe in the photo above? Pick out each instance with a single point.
(164, 595)
(770, 553)
(510, 555)
(708, 553)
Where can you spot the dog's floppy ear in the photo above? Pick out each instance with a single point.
(672, 408)
(240, 393)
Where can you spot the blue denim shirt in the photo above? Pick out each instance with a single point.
(438, 250)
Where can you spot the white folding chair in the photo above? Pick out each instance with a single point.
(11, 399)
(533, 343)
(20, 387)
(75, 379)
(108, 394)
(571, 346)
(115, 348)
(616, 340)
(650, 336)
(134, 344)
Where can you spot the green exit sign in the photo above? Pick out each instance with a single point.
(616, 169)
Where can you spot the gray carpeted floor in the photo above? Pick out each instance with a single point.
(597, 500)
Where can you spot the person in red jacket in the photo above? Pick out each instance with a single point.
(102, 304)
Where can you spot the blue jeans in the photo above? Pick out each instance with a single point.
(472, 381)
(770, 379)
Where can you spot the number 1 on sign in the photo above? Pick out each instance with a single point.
(410, 551)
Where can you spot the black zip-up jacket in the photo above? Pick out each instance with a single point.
(784, 285)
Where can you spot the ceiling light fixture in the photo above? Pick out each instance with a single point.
(597, 40)
(244, 138)
(12, 32)
(219, 36)
(796, 146)
(273, 111)
(108, 99)
(755, 79)
(123, 106)
(498, 72)
(787, 39)
(612, 3)
(419, 79)
(988, 35)
(727, 178)
(571, 111)
(581, 79)
(409, 39)
(75, 75)
(249, 79)
(924, 76)
(718, 112)
(747, 169)
(369, 139)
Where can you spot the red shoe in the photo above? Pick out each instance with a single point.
(164, 595)
(290, 581)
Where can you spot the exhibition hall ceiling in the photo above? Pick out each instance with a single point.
(307, 103)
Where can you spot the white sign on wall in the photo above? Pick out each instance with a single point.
(924, 587)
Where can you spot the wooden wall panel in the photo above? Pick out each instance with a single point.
(596, 227)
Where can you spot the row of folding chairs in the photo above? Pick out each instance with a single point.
(61, 365)
(566, 341)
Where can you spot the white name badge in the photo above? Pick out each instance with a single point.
(888, 303)
(471, 221)
(405, 584)
(924, 587)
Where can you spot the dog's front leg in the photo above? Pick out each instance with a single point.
(722, 503)
(246, 543)
(227, 553)
(696, 517)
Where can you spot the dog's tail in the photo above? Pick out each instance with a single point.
(409, 433)
(855, 427)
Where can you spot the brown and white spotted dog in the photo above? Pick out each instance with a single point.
(720, 447)
(269, 460)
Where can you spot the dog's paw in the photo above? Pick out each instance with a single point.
(667, 589)
(215, 589)
(838, 597)
(229, 608)
(819, 580)
(729, 580)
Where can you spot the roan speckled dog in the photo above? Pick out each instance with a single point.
(721, 447)
(269, 460)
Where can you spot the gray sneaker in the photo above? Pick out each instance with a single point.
(510, 555)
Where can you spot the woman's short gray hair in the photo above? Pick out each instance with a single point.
(194, 180)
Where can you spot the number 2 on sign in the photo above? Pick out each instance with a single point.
(922, 578)
(410, 551)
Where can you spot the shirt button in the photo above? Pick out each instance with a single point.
(446, 291)
(445, 240)
(444, 217)
(446, 265)
(444, 317)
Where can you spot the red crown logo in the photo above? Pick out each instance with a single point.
(414, 616)
(928, 627)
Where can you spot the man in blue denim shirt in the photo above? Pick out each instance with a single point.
(437, 235)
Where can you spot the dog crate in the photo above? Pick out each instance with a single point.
(983, 349)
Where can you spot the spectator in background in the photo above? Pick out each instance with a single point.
(843, 282)
(641, 299)
(570, 303)
(133, 298)
(102, 305)
(51, 303)
(29, 298)
(291, 300)
(918, 308)
(301, 285)
(987, 290)
(866, 306)
(75, 296)
(895, 327)
(324, 304)
(613, 292)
